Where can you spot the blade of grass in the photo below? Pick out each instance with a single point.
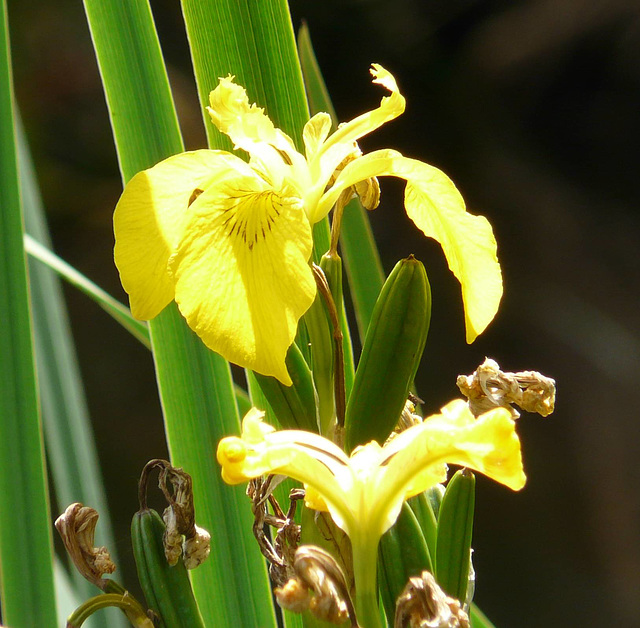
(253, 41)
(27, 588)
(113, 307)
(361, 259)
(71, 451)
(195, 384)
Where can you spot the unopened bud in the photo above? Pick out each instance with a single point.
(77, 528)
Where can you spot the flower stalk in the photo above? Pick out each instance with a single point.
(129, 605)
(365, 556)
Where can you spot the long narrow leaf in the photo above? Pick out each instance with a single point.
(112, 306)
(27, 586)
(254, 41)
(195, 384)
(70, 446)
(478, 618)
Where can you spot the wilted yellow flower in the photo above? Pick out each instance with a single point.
(230, 241)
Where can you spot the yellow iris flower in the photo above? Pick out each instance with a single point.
(364, 492)
(230, 241)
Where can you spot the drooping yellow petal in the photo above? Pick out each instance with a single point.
(242, 278)
(149, 222)
(437, 208)
(413, 459)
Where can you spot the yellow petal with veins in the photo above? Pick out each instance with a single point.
(242, 277)
(149, 222)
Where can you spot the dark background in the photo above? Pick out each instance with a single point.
(532, 108)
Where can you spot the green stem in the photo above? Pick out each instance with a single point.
(365, 555)
(128, 604)
(338, 355)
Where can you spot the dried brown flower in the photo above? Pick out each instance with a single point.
(77, 528)
(488, 387)
(423, 604)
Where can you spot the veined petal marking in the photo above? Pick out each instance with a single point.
(241, 272)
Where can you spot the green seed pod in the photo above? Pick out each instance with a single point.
(167, 589)
(392, 350)
(455, 529)
(403, 554)
(434, 496)
(294, 406)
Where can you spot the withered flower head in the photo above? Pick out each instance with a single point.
(180, 519)
(488, 387)
(423, 604)
(368, 189)
(196, 548)
(319, 585)
(77, 528)
(182, 537)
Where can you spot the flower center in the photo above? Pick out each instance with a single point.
(251, 215)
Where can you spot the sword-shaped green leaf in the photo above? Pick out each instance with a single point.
(26, 551)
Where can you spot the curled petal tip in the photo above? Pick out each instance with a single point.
(383, 77)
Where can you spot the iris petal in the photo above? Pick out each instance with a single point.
(149, 221)
(438, 210)
(488, 444)
(340, 144)
(242, 278)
